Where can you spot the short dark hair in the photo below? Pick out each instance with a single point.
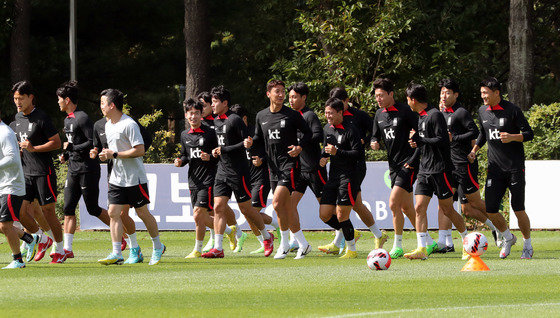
(335, 103)
(114, 96)
(205, 96)
(24, 88)
(300, 88)
(449, 83)
(239, 110)
(492, 83)
(190, 104)
(221, 93)
(272, 83)
(384, 84)
(68, 89)
(338, 92)
(418, 92)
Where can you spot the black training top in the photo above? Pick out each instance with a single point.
(347, 140)
(362, 121)
(393, 125)
(433, 142)
(193, 142)
(100, 140)
(209, 121)
(311, 154)
(463, 131)
(258, 174)
(36, 127)
(231, 131)
(277, 131)
(79, 134)
(504, 117)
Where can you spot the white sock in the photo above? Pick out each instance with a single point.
(507, 234)
(68, 240)
(127, 240)
(398, 241)
(448, 238)
(60, 247)
(156, 243)
(441, 238)
(429, 239)
(351, 245)
(226, 231)
(261, 239)
(338, 238)
(265, 234)
(49, 233)
(292, 238)
(133, 240)
(44, 237)
(300, 238)
(490, 225)
(463, 235)
(238, 233)
(212, 234)
(117, 249)
(375, 230)
(198, 246)
(274, 223)
(527, 243)
(285, 240)
(421, 239)
(218, 238)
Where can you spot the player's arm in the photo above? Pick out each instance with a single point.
(368, 127)
(355, 143)
(183, 159)
(437, 124)
(302, 126)
(54, 143)
(481, 140)
(316, 129)
(523, 125)
(137, 142)
(242, 131)
(87, 129)
(375, 134)
(9, 150)
(467, 122)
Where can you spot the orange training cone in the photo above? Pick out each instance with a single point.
(475, 264)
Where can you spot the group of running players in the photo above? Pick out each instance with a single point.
(285, 152)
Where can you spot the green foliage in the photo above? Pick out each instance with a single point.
(161, 150)
(545, 121)
(61, 171)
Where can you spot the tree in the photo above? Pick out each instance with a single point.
(197, 40)
(19, 43)
(521, 70)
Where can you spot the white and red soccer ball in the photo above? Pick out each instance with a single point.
(379, 260)
(475, 244)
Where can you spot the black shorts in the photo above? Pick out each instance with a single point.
(466, 176)
(340, 191)
(202, 197)
(238, 186)
(360, 175)
(403, 177)
(9, 207)
(259, 193)
(42, 188)
(315, 180)
(441, 184)
(86, 184)
(496, 184)
(460, 196)
(135, 196)
(287, 178)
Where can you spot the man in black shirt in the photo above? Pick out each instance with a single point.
(207, 117)
(505, 128)
(37, 137)
(434, 172)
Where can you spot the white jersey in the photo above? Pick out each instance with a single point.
(122, 136)
(11, 171)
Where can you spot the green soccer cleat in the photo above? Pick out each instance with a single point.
(135, 256)
(432, 248)
(396, 252)
(259, 250)
(15, 264)
(23, 249)
(240, 242)
(156, 255)
(209, 245)
(380, 241)
(111, 259)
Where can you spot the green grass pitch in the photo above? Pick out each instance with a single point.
(244, 285)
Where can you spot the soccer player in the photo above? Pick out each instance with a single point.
(434, 172)
(12, 191)
(364, 125)
(83, 172)
(233, 172)
(505, 128)
(37, 138)
(207, 117)
(392, 124)
(312, 174)
(342, 146)
(197, 144)
(128, 184)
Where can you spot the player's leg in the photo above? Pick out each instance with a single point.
(421, 207)
(517, 190)
(72, 194)
(10, 207)
(281, 202)
(117, 197)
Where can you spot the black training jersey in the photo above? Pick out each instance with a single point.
(231, 131)
(277, 131)
(433, 142)
(393, 125)
(209, 121)
(260, 173)
(193, 142)
(347, 140)
(362, 121)
(463, 131)
(36, 127)
(78, 129)
(504, 117)
(311, 154)
(100, 140)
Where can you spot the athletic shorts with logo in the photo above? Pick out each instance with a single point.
(315, 180)
(42, 188)
(287, 178)
(203, 197)
(441, 184)
(239, 186)
(403, 177)
(259, 193)
(9, 207)
(340, 191)
(497, 182)
(466, 176)
(78, 184)
(135, 196)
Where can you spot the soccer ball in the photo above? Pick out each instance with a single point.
(475, 244)
(379, 260)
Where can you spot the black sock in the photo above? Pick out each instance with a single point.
(347, 230)
(17, 257)
(27, 238)
(333, 222)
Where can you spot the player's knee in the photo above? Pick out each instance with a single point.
(94, 210)
(197, 215)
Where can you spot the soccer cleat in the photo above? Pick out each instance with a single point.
(214, 253)
(258, 250)
(111, 259)
(506, 246)
(123, 244)
(302, 251)
(281, 253)
(357, 235)
(350, 254)
(432, 248)
(240, 242)
(278, 232)
(194, 254)
(23, 249)
(527, 253)
(232, 238)
(500, 240)
(32, 247)
(380, 241)
(440, 249)
(69, 254)
(135, 256)
(42, 249)
(396, 252)
(450, 249)
(294, 246)
(419, 253)
(269, 245)
(465, 256)
(329, 248)
(495, 236)
(58, 258)
(209, 245)
(15, 264)
(156, 255)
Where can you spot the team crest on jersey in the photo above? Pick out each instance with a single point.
(339, 139)
(224, 129)
(449, 121)
(282, 123)
(30, 126)
(395, 121)
(489, 182)
(201, 142)
(502, 122)
(423, 125)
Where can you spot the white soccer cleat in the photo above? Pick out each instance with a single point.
(281, 254)
(506, 246)
(527, 253)
(302, 251)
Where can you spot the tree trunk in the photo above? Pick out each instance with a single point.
(19, 42)
(521, 71)
(197, 40)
